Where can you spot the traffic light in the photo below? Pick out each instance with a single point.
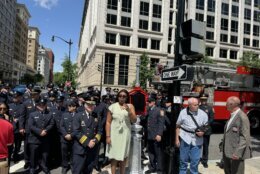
(99, 67)
(192, 40)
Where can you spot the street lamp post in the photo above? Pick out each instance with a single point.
(68, 42)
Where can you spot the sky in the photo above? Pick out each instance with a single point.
(57, 17)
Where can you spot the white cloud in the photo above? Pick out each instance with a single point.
(48, 4)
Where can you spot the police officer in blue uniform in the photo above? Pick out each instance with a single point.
(40, 125)
(155, 128)
(30, 106)
(66, 128)
(50, 87)
(87, 134)
(17, 111)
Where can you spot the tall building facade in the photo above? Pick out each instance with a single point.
(7, 35)
(32, 49)
(43, 64)
(20, 44)
(115, 33)
(51, 57)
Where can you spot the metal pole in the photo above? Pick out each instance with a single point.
(137, 84)
(172, 154)
(101, 71)
(69, 60)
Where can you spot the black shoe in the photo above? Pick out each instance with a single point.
(205, 165)
(97, 168)
(144, 157)
(151, 171)
(26, 166)
(105, 162)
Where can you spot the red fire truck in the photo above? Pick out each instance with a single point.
(220, 84)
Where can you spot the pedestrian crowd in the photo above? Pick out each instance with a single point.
(63, 128)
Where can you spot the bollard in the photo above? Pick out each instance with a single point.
(135, 163)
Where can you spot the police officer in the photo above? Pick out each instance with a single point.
(155, 127)
(30, 106)
(50, 87)
(206, 138)
(40, 124)
(16, 111)
(87, 134)
(66, 128)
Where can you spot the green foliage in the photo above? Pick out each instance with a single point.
(250, 59)
(206, 59)
(145, 72)
(27, 78)
(69, 72)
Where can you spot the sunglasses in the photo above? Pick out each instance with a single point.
(3, 108)
(122, 96)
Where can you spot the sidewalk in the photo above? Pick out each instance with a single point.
(252, 167)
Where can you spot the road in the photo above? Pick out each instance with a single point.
(214, 153)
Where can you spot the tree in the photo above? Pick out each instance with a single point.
(250, 59)
(38, 78)
(206, 59)
(145, 72)
(27, 78)
(69, 72)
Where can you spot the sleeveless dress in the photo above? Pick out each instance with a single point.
(120, 133)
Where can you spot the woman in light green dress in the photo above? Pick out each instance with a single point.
(118, 131)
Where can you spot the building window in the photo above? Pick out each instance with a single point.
(222, 53)
(247, 28)
(247, 14)
(257, 16)
(143, 24)
(142, 42)
(210, 35)
(257, 3)
(256, 30)
(248, 2)
(200, 4)
(154, 62)
(124, 40)
(234, 26)
(170, 34)
(210, 21)
(209, 51)
(111, 19)
(125, 21)
(112, 4)
(170, 17)
(256, 43)
(109, 69)
(233, 55)
(171, 3)
(157, 10)
(233, 39)
(211, 5)
(123, 70)
(223, 37)
(110, 38)
(156, 26)
(235, 11)
(199, 17)
(246, 42)
(235, 0)
(169, 48)
(144, 8)
(224, 24)
(155, 44)
(224, 9)
(127, 5)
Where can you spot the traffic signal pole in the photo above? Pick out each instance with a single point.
(172, 154)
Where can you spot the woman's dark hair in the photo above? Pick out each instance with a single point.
(124, 91)
(7, 107)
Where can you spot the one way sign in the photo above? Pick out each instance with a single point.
(176, 73)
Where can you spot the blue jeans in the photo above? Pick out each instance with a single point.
(189, 153)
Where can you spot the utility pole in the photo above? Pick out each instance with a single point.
(172, 154)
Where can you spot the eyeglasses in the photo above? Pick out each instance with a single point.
(122, 96)
(3, 108)
(72, 106)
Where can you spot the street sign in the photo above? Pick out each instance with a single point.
(176, 73)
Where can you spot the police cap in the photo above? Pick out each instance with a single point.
(204, 96)
(60, 98)
(17, 93)
(36, 91)
(50, 85)
(61, 85)
(89, 99)
(151, 99)
(42, 101)
(72, 102)
(53, 93)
